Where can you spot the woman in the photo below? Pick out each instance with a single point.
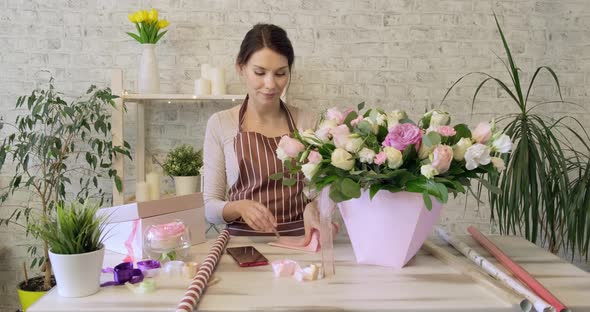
(240, 144)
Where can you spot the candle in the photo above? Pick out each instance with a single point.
(141, 192)
(202, 87)
(205, 71)
(217, 81)
(153, 182)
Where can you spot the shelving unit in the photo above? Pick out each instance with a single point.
(141, 100)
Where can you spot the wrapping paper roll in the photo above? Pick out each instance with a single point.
(199, 282)
(539, 304)
(516, 269)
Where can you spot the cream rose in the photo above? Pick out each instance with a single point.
(394, 157)
(460, 148)
(309, 170)
(428, 171)
(366, 155)
(342, 159)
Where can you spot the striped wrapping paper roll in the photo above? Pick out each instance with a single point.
(199, 282)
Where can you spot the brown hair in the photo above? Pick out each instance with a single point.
(265, 36)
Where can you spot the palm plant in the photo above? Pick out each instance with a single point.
(543, 193)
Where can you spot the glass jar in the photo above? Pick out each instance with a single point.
(167, 241)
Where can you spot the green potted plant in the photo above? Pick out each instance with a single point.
(56, 150)
(184, 165)
(544, 191)
(75, 237)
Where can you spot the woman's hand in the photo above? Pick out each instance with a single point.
(256, 215)
(311, 220)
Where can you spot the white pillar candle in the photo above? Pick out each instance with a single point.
(153, 182)
(202, 87)
(217, 81)
(205, 71)
(141, 192)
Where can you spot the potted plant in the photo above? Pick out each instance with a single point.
(544, 193)
(184, 165)
(389, 174)
(57, 150)
(75, 237)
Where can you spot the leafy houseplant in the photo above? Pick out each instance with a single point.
(59, 150)
(148, 26)
(184, 164)
(388, 151)
(75, 237)
(544, 191)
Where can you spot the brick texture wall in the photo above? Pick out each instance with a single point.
(390, 53)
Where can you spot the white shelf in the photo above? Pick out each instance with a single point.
(188, 97)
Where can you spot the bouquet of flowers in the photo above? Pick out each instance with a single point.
(376, 151)
(148, 26)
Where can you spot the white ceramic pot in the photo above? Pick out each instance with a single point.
(186, 185)
(148, 79)
(77, 275)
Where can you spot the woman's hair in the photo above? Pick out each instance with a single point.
(265, 36)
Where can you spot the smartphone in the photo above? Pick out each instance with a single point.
(247, 256)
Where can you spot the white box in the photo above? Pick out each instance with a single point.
(127, 223)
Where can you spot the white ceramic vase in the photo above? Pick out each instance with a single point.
(77, 275)
(148, 79)
(186, 185)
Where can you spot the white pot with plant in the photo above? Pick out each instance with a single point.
(184, 165)
(75, 237)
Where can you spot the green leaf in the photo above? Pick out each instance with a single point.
(118, 183)
(360, 106)
(492, 188)
(427, 200)
(276, 176)
(374, 189)
(350, 188)
(289, 181)
(431, 139)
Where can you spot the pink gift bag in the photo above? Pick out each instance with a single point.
(389, 229)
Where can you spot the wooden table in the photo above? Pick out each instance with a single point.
(425, 284)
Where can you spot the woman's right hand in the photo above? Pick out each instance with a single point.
(256, 215)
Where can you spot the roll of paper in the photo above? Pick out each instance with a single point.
(202, 87)
(153, 182)
(205, 71)
(217, 81)
(199, 282)
(141, 192)
(539, 304)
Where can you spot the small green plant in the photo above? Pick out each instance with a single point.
(74, 229)
(183, 161)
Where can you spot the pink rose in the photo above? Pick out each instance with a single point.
(441, 158)
(403, 135)
(289, 148)
(335, 114)
(482, 133)
(167, 230)
(356, 121)
(446, 131)
(380, 158)
(340, 135)
(314, 157)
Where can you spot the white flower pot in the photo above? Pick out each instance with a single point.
(148, 79)
(187, 185)
(77, 275)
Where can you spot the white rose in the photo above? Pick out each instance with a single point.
(366, 155)
(281, 154)
(498, 163)
(502, 144)
(309, 170)
(428, 171)
(394, 157)
(309, 137)
(342, 159)
(353, 143)
(425, 151)
(477, 154)
(394, 117)
(323, 132)
(439, 118)
(460, 148)
(380, 119)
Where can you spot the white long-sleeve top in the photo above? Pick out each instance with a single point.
(219, 156)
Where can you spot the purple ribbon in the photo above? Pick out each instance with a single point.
(123, 273)
(146, 265)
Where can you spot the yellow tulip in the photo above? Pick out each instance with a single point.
(153, 16)
(142, 16)
(131, 17)
(163, 24)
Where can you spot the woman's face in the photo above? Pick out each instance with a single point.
(266, 75)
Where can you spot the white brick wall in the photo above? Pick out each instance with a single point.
(391, 53)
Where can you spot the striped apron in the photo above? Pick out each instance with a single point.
(257, 160)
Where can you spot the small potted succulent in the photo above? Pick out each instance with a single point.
(184, 165)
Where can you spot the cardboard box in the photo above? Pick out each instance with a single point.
(127, 223)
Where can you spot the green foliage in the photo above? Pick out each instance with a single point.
(183, 161)
(543, 193)
(74, 229)
(55, 146)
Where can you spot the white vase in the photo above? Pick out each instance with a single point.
(77, 275)
(186, 185)
(148, 79)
